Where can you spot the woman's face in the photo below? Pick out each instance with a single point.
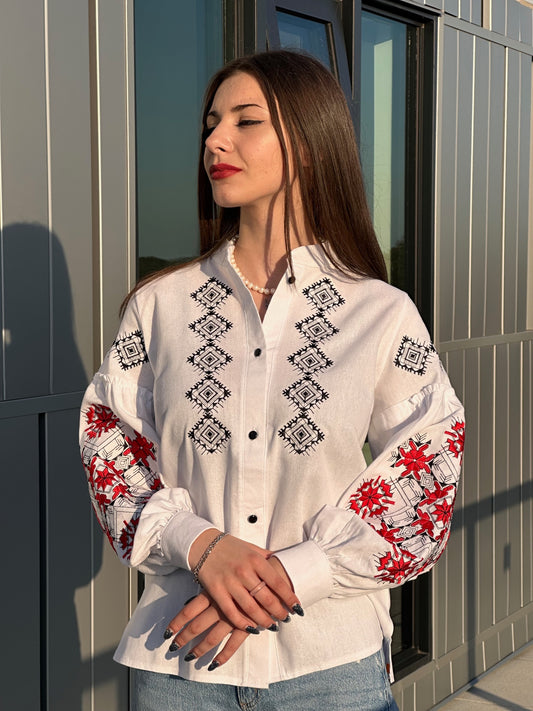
(242, 156)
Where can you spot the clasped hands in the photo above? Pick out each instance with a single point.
(234, 601)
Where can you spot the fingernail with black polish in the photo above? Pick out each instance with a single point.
(273, 628)
(298, 609)
(174, 647)
(213, 665)
(252, 630)
(168, 633)
(189, 657)
(287, 619)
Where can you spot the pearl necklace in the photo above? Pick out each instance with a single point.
(259, 289)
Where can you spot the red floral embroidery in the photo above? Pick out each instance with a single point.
(100, 420)
(104, 473)
(372, 498)
(436, 494)
(127, 535)
(396, 567)
(140, 449)
(102, 499)
(389, 534)
(456, 440)
(414, 460)
(443, 511)
(119, 489)
(425, 522)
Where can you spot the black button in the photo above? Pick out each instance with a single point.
(257, 352)
(252, 518)
(292, 279)
(253, 434)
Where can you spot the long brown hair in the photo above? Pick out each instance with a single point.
(323, 148)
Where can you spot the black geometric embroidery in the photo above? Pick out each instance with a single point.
(413, 355)
(305, 394)
(130, 350)
(301, 434)
(316, 328)
(211, 326)
(323, 295)
(209, 359)
(211, 294)
(310, 359)
(208, 394)
(209, 435)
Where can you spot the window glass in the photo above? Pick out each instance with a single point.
(298, 32)
(383, 137)
(177, 48)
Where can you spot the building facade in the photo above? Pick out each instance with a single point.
(99, 111)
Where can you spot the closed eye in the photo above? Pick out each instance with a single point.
(248, 122)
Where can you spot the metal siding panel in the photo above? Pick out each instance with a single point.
(451, 7)
(443, 682)
(524, 189)
(465, 10)
(485, 601)
(512, 27)
(68, 562)
(477, 12)
(71, 214)
(446, 262)
(424, 690)
(502, 551)
(113, 161)
(463, 187)
(526, 502)
(497, 18)
(515, 477)
(455, 549)
(20, 593)
(525, 24)
(436, 4)
(480, 151)
(493, 306)
(24, 198)
(512, 156)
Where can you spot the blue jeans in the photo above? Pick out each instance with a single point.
(358, 686)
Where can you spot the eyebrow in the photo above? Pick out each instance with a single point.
(236, 109)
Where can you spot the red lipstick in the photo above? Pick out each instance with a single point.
(223, 170)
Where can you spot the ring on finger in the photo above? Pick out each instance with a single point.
(257, 588)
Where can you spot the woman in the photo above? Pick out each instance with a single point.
(223, 435)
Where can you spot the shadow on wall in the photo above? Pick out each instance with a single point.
(57, 549)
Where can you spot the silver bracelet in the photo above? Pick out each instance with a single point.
(205, 554)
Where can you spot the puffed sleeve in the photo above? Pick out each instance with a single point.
(393, 521)
(149, 525)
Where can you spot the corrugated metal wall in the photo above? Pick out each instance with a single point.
(483, 585)
(66, 259)
(65, 218)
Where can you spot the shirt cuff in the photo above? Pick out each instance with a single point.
(179, 535)
(308, 568)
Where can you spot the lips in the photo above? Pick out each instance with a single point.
(223, 170)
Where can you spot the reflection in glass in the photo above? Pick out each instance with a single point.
(383, 137)
(177, 48)
(298, 32)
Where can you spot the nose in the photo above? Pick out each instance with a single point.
(219, 140)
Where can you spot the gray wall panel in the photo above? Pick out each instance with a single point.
(20, 592)
(479, 186)
(486, 473)
(465, 10)
(515, 476)
(526, 25)
(524, 189)
(493, 305)
(502, 552)
(24, 198)
(512, 27)
(497, 16)
(511, 195)
(477, 12)
(451, 7)
(446, 261)
(527, 470)
(68, 559)
(70, 193)
(463, 141)
(436, 4)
